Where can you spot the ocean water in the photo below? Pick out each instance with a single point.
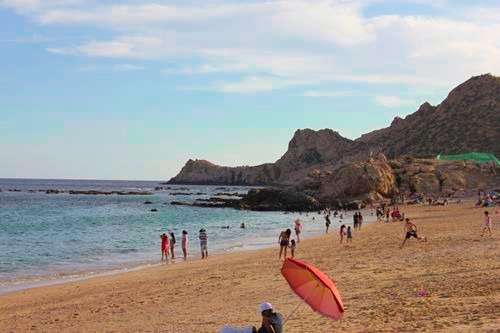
(56, 236)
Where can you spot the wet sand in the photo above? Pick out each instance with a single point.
(458, 269)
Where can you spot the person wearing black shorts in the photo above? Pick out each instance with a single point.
(411, 231)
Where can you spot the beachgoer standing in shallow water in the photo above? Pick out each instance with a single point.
(342, 233)
(184, 243)
(284, 240)
(355, 221)
(298, 229)
(327, 223)
(172, 244)
(349, 235)
(164, 246)
(486, 223)
(411, 231)
(203, 237)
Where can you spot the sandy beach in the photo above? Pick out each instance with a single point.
(459, 270)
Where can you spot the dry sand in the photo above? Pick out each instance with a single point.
(378, 282)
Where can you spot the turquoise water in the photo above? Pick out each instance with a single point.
(45, 236)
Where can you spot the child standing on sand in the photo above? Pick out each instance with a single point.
(487, 223)
(292, 247)
(342, 233)
(349, 235)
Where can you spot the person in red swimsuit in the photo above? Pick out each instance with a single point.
(164, 247)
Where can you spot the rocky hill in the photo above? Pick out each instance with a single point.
(467, 120)
(327, 164)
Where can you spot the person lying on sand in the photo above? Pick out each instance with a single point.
(411, 231)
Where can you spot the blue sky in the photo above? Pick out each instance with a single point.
(131, 90)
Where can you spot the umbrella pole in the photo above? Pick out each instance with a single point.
(298, 306)
(291, 314)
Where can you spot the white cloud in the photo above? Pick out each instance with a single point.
(315, 93)
(393, 101)
(257, 84)
(315, 41)
(126, 67)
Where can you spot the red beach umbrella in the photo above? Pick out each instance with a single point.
(314, 287)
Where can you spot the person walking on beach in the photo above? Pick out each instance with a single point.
(411, 231)
(360, 220)
(203, 237)
(164, 247)
(172, 244)
(293, 246)
(184, 243)
(349, 235)
(327, 223)
(355, 221)
(284, 240)
(342, 233)
(298, 229)
(486, 223)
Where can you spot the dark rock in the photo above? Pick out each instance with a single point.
(180, 193)
(148, 203)
(276, 199)
(154, 210)
(178, 203)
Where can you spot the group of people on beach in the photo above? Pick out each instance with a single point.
(168, 245)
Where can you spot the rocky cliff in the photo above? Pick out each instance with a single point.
(467, 120)
(329, 166)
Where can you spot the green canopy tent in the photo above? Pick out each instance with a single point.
(476, 157)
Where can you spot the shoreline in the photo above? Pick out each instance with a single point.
(39, 281)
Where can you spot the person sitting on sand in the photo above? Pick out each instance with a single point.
(293, 246)
(284, 240)
(272, 322)
(298, 229)
(486, 223)
(411, 231)
(203, 237)
(164, 246)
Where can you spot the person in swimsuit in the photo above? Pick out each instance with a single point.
(349, 235)
(184, 243)
(360, 220)
(342, 233)
(172, 244)
(327, 223)
(298, 229)
(293, 246)
(284, 240)
(164, 247)
(411, 231)
(486, 223)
